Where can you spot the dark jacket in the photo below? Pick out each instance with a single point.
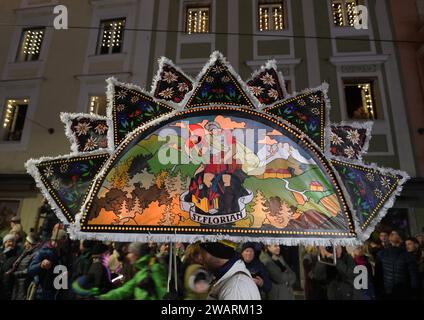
(44, 277)
(99, 276)
(339, 278)
(257, 268)
(369, 293)
(6, 263)
(282, 278)
(81, 265)
(21, 280)
(396, 273)
(314, 289)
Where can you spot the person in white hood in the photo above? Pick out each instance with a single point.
(232, 279)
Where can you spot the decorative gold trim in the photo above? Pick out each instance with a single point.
(322, 113)
(383, 199)
(304, 139)
(141, 95)
(199, 85)
(53, 192)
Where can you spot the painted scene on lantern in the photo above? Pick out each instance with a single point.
(223, 171)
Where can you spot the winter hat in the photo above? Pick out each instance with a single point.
(8, 237)
(88, 244)
(247, 245)
(15, 219)
(99, 248)
(17, 228)
(32, 238)
(222, 249)
(139, 249)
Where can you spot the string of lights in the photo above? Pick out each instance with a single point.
(226, 34)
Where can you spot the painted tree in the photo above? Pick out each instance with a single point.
(174, 185)
(144, 178)
(119, 176)
(259, 209)
(286, 213)
(160, 178)
(125, 215)
(136, 209)
(168, 216)
(278, 212)
(179, 186)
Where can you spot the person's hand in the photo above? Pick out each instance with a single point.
(325, 254)
(338, 252)
(259, 281)
(322, 252)
(163, 250)
(46, 264)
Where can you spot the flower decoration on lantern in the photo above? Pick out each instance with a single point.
(215, 158)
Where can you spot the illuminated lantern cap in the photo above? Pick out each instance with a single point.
(288, 176)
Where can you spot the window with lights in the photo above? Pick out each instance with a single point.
(30, 44)
(343, 12)
(97, 105)
(111, 36)
(197, 20)
(360, 99)
(14, 119)
(272, 16)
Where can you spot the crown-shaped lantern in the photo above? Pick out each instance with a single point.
(216, 158)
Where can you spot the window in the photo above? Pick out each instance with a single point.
(360, 100)
(111, 36)
(98, 105)
(272, 16)
(14, 119)
(343, 12)
(197, 20)
(8, 209)
(30, 44)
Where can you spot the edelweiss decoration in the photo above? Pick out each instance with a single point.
(86, 132)
(216, 158)
(267, 84)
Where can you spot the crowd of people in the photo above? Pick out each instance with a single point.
(394, 269)
(212, 270)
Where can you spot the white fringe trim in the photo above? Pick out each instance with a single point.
(216, 55)
(365, 234)
(177, 237)
(110, 93)
(346, 195)
(271, 64)
(162, 61)
(327, 129)
(67, 119)
(99, 176)
(367, 125)
(75, 229)
(31, 168)
(204, 237)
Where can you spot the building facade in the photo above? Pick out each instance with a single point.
(46, 71)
